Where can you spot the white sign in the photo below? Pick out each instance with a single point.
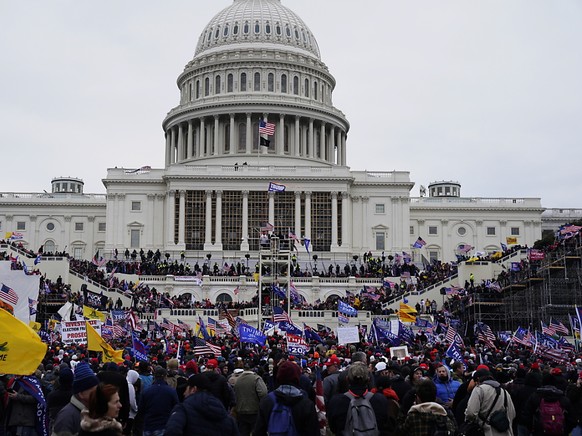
(399, 352)
(76, 332)
(348, 335)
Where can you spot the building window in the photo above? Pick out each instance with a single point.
(278, 29)
(461, 231)
(257, 82)
(306, 87)
(101, 227)
(411, 230)
(242, 137)
(229, 83)
(271, 82)
(246, 28)
(432, 230)
(78, 227)
(433, 257)
(380, 208)
(515, 231)
(78, 252)
(243, 82)
(135, 206)
(490, 231)
(206, 87)
(315, 90)
(217, 85)
(257, 28)
(227, 138)
(284, 83)
(21, 225)
(50, 227)
(235, 28)
(134, 238)
(380, 240)
(197, 89)
(268, 28)
(296, 85)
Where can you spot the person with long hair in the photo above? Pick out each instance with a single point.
(99, 419)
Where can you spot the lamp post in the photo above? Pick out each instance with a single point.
(315, 264)
(247, 257)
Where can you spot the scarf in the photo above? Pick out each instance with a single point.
(94, 425)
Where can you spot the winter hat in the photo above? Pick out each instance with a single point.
(212, 363)
(482, 368)
(192, 366)
(65, 377)
(84, 378)
(132, 376)
(380, 366)
(288, 374)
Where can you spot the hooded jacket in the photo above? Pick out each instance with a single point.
(422, 419)
(302, 408)
(480, 402)
(201, 414)
(446, 390)
(548, 393)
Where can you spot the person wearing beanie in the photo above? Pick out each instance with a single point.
(358, 384)
(61, 394)
(201, 413)
(156, 404)
(288, 393)
(68, 420)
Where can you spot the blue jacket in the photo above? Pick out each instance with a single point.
(156, 405)
(446, 390)
(201, 414)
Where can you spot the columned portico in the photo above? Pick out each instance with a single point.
(208, 224)
(218, 221)
(181, 221)
(170, 208)
(245, 221)
(308, 214)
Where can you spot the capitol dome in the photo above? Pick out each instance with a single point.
(251, 22)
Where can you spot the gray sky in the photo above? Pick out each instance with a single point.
(485, 92)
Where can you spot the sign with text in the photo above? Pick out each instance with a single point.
(75, 331)
(348, 335)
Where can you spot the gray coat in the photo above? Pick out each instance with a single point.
(480, 402)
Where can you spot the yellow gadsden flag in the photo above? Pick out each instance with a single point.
(21, 349)
(407, 313)
(97, 343)
(91, 313)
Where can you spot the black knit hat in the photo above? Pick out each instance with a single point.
(84, 378)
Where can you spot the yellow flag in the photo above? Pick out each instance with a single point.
(407, 309)
(34, 325)
(97, 343)
(21, 350)
(511, 239)
(405, 317)
(89, 312)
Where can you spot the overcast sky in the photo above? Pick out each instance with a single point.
(487, 92)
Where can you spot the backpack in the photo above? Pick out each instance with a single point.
(551, 417)
(439, 425)
(281, 421)
(361, 419)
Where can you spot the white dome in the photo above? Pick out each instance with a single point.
(262, 22)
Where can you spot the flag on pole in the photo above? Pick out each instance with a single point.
(419, 243)
(8, 295)
(96, 343)
(266, 128)
(559, 327)
(20, 347)
(279, 315)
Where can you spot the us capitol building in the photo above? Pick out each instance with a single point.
(257, 59)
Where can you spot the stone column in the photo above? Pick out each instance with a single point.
(298, 214)
(180, 143)
(334, 220)
(182, 221)
(168, 147)
(280, 145)
(190, 147)
(218, 221)
(173, 146)
(245, 221)
(297, 138)
(170, 208)
(346, 222)
(322, 148)
(233, 146)
(216, 148)
(151, 208)
(249, 135)
(344, 161)
(271, 196)
(201, 146)
(310, 151)
(331, 145)
(308, 214)
(208, 225)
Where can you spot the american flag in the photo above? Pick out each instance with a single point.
(279, 315)
(266, 128)
(464, 248)
(547, 330)
(166, 324)
(320, 402)
(523, 337)
(201, 347)
(236, 290)
(453, 337)
(485, 334)
(133, 320)
(559, 327)
(8, 295)
(226, 314)
(184, 326)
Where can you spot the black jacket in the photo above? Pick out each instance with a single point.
(337, 412)
(548, 393)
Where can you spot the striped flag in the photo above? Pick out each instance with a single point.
(485, 334)
(226, 314)
(547, 330)
(8, 295)
(201, 347)
(166, 324)
(523, 337)
(559, 327)
(320, 402)
(454, 338)
(266, 128)
(279, 315)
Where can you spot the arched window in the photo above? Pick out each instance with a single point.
(217, 85)
(224, 298)
(225, 32)
(288, 31)
(49, 246)
(257, 82)
(268, 28)
(306, 87)
(296, 34)
(257, 28)
(242, 137)
(246, 28)
(227, 138)
(278, 29)
(235, 29)
(284, 83)
(229, 83)
(315, 90)
(296, 85)
(271, 82)
(197, 89)
(217, 33)
(243, 82)
(206, 87)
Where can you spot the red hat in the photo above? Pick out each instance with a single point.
(535, 365)
(212, 363)
(556, 371)
(423, 366)
(485, 367)
(192, 366)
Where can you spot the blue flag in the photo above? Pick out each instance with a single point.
(38, 259)
(310, 335)
(289, 327)
(307, 242)
(455, 353)
(346, 309)
(139, 349)
(278, 292)
(251, 335)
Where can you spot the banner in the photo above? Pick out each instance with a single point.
(96, 343)
(24, 287)
(75, 331)
(296, 345)
(348, 335)
(251, 335)
(93, 299)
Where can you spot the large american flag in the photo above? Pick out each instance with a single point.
(547, 330)
(559, 327)
(201, 347)
(266, 128)
(226, 314)
(8, 295)
(279, 315)
(485, 334)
